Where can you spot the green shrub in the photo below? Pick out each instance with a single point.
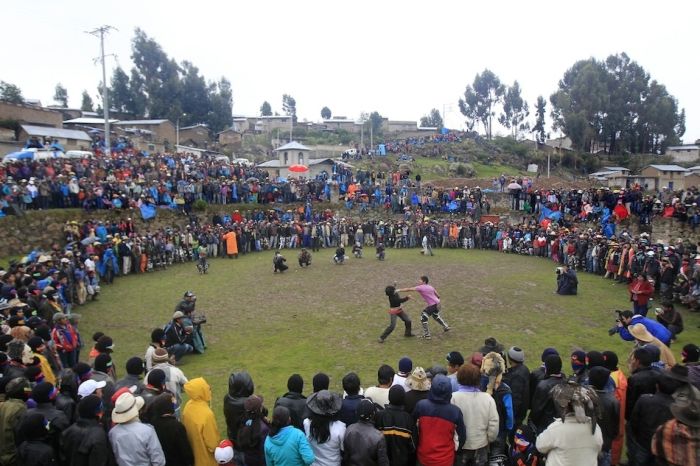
(200, 205)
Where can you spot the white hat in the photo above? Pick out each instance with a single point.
(224, 452)
(88, 387)
(126, 408)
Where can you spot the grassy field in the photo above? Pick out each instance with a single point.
(328, 318)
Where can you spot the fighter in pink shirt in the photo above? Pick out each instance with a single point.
(432, 299)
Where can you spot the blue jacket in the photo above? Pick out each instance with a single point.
(288, 448)
(655, 328)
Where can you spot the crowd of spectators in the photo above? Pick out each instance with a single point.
(486, 408)
(58, 410)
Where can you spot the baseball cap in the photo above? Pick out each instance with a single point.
(89, 386)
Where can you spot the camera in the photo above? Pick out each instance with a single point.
(559, 270)
(199, 320)
(615, 329)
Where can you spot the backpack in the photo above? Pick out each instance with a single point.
(249, 433)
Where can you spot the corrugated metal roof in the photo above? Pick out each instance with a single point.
(142, 122)
(271, 164)
(88, 121)
(619, 169)
(292, 146)
(49, 132)
(669, 168)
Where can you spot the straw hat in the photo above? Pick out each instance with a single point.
(126, 408)
(640, 332)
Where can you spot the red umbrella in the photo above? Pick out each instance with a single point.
(298, 168)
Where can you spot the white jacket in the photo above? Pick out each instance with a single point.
(570, 443)
(480, 418)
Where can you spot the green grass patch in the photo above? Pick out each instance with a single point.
(328, 317)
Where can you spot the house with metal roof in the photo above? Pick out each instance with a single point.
(684, 153)
(162, 132)
(611, 176)
(658, 177)
(70, 139)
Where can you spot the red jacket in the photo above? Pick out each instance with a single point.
(65, 338)
(643, 289)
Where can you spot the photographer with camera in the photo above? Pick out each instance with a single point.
(567, 282)
(192, 323)
(625, 319)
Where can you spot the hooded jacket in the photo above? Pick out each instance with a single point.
(200, 423)
(171, 433)
(240, 387)
(288, 448)
(438, 420)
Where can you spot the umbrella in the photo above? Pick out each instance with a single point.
(252, 179)
(514, 185)
(298, 168)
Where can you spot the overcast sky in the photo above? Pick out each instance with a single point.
(401, 58)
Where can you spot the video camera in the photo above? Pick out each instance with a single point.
(199, 320)
(559, 270)
(619, 320)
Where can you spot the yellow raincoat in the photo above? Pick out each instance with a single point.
(200, 423)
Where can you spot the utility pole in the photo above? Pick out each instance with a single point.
(100, 32)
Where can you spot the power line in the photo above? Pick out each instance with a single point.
(100, 32)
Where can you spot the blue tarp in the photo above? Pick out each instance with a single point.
(545, 212)
(21, 155)
(148, 211)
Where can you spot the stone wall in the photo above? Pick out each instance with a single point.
(19, 235)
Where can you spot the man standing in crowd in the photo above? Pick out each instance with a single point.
(432, 299)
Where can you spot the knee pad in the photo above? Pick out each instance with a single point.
(424, 317)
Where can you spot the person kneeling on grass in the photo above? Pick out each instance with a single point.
(304, 258)
(357, 250)
(279, 263)
(339, 257)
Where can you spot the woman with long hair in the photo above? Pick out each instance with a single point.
(324, 432)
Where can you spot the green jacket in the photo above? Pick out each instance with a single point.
(10, 413)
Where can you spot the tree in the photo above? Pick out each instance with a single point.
(376, 120)
(160, 75)
(515, 111)
(289, 106)
(266, 109)
(87, 105)
(10, 93)
(432, 120)
(539, 128)
(60, 95)
(221, 98)
(120, 92)
(326, 113)
(480, 100)
(196, 99)
(614, 105)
